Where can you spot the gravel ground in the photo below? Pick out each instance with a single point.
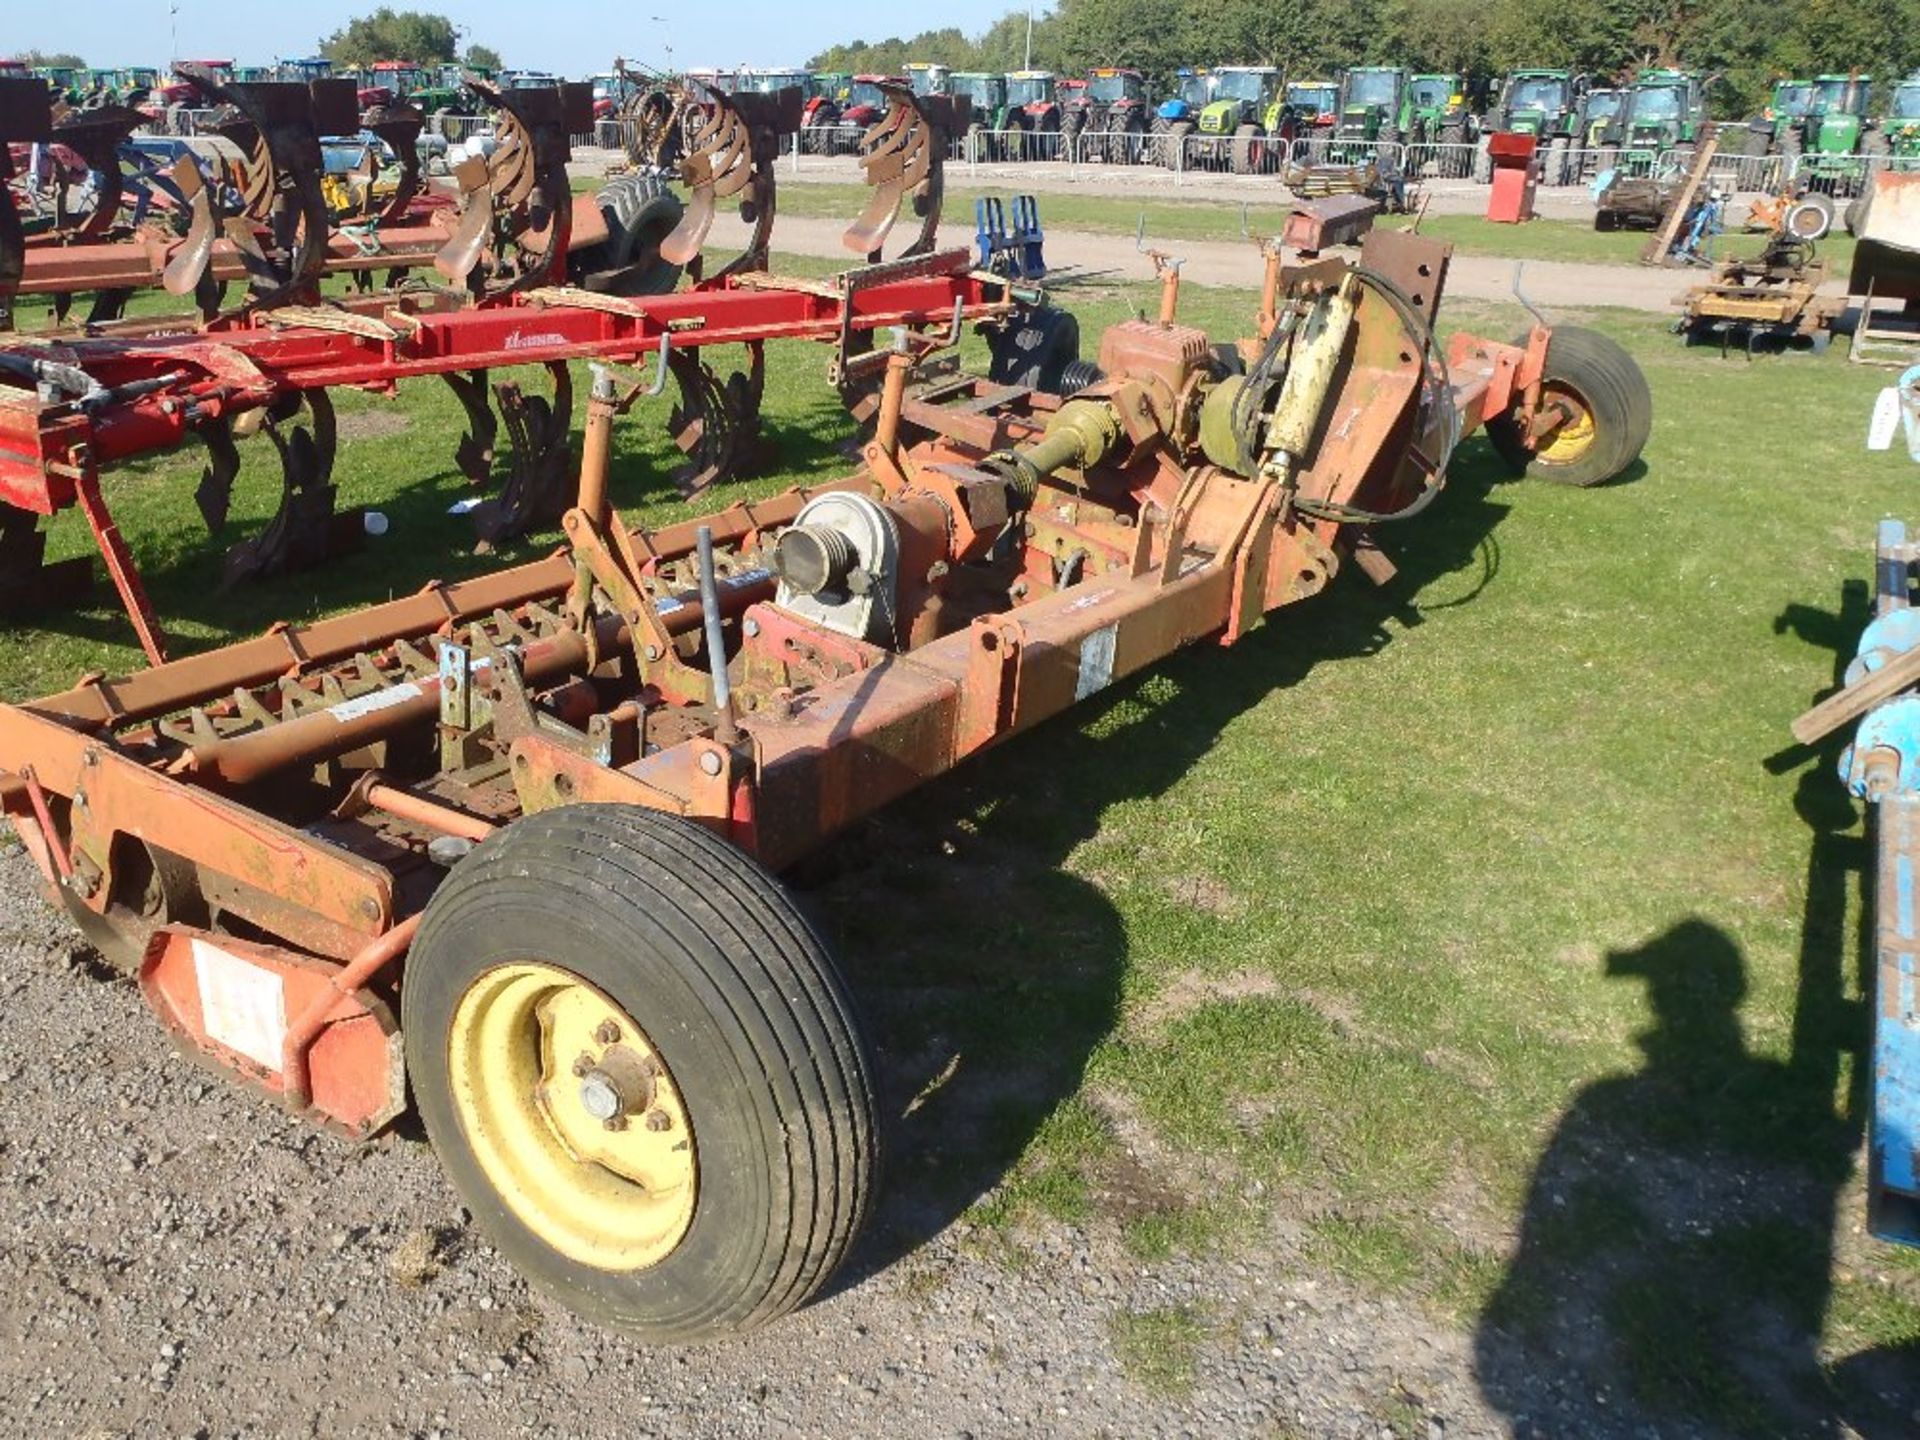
(177, 1258)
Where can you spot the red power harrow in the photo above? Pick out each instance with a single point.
(505, 846)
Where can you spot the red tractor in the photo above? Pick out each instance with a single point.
(833, 123)
(1107, 114)
(1034, 109)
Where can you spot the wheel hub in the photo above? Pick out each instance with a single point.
(549, 1078)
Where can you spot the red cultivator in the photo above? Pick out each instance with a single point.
(506, 845)
(71, 407)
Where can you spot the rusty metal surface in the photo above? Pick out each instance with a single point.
(1886, 260)
(1329, 220)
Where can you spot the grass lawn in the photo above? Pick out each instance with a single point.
(1426, 918)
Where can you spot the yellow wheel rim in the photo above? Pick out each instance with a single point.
(1573, 439)
(573, 1116)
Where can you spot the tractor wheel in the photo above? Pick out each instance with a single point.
(1048, 141)
(1071, 126)
(1856, 216)
(1156, 149)
(1755, 142)
(1482, 163)
(1178, 134)
(1453, 160)
(1553, 170)
(1609, 406)
(640, 212)
(1249, 150)
(1036, 352)
(1133, 142)
(1810, 217)
(1019, 142)
(641, 1071)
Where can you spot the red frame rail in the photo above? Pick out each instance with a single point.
(155, 391)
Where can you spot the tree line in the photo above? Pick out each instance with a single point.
(1745, 44)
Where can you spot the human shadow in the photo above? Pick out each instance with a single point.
(1677, 1240)
(987, 973)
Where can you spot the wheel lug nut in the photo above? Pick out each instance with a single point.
(615, 1122)
(659, 1120)
(608, 1033)
(582, 1063)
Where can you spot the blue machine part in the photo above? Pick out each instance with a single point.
(1883, 767)
(1886, 636)
(1174, 109)
(1016, 250)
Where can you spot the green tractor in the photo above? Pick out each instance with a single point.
(982, 100)
(1597, 118)
(1822, 116)
(928, 78)
(1544, 104)
(1899, 132)
(1373, 102)
(1435, 114)
(1665, 112)
(442, 91)
(1243, 119)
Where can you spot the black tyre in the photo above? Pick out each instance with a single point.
(1036, 351)
(1453, 161)
(1611, 413)
(1756, 141)
(1177, 136)
(1553, 170)
(1482, 163)
(1810, 217)
(1156, 151)
(640, 213)
(1249, 150)
(1019, 143)
(641, 1071)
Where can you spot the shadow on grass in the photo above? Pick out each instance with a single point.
(988, 974)
(1677, 1238)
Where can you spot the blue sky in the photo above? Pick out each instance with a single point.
(574, 37)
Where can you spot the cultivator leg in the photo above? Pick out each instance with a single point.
(734, 143)
(904, 157)
(304, 531)
(516, 204)
(716, 422)
(474, 454)
(539, 484)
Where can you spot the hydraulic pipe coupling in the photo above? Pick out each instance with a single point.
(1081, 434)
